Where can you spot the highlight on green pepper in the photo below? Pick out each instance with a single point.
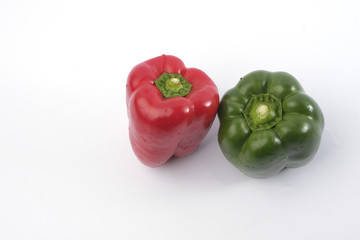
(268, 123)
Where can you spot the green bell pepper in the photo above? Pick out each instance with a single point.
(268, 123)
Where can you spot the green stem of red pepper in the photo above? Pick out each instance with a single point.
(173, 85)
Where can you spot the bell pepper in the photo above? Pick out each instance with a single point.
(268, 123)
(170, 109)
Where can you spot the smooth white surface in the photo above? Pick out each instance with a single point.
(67, 170)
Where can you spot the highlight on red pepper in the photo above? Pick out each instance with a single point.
(170, 109)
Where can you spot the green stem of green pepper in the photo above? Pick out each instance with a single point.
(263, 111)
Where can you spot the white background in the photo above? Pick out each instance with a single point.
(67, 170)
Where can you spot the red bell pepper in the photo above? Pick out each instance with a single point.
(170, 108)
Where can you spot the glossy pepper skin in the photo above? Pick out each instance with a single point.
(268, 123)
(170, 108)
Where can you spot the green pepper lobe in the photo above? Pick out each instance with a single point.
(173, 85)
